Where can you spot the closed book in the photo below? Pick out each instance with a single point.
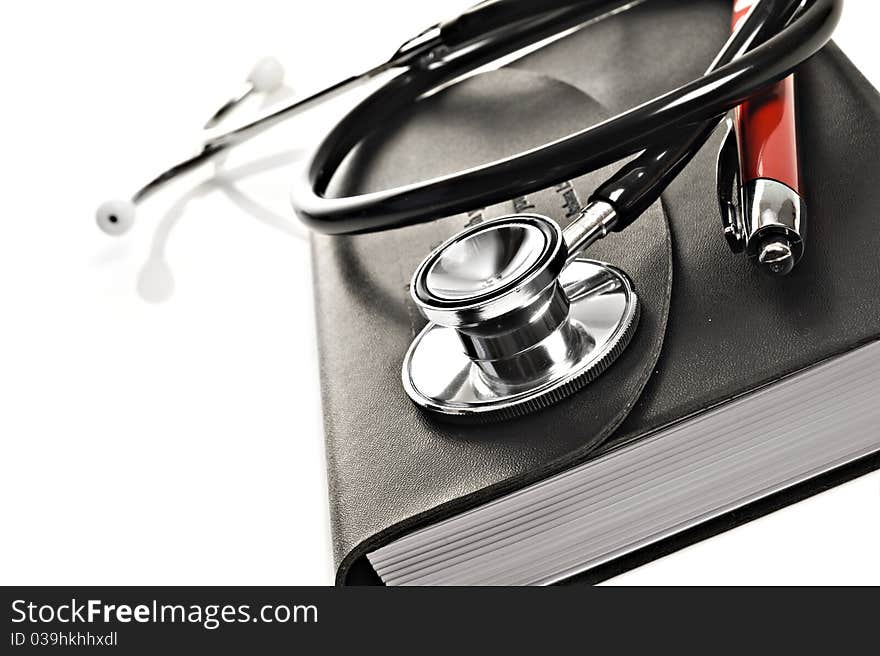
(738, 394)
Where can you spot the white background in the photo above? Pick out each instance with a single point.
(180, 442)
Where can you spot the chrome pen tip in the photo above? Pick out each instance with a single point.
(776, 256)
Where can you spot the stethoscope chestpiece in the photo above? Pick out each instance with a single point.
(512, 327)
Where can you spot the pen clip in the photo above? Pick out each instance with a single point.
(728, 182)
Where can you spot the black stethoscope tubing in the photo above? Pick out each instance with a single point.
(667, 131)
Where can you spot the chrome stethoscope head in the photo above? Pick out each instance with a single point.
(517, 321)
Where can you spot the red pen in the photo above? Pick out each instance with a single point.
(772, 218)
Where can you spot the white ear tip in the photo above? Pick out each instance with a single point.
(115, 217)
(267, 75)
(155, 282)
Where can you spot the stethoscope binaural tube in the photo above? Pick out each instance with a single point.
(478, 36)
(776, 37)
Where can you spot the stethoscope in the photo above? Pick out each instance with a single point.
(517, 319)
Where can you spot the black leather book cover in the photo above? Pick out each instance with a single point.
(712, 326)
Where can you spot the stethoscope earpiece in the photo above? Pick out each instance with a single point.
(116, 217)
(266, 76)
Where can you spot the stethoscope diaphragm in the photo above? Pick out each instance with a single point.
(533, 336)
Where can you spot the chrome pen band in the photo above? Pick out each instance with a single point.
(774, 224)
(763, 217)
